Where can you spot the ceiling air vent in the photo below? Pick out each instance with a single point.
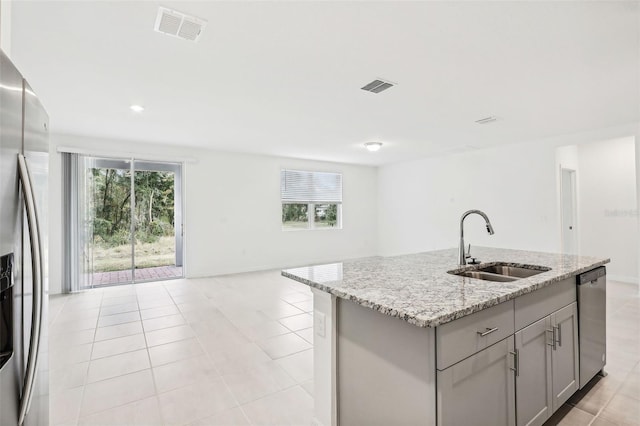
(486, 120)
(377, 86)
(177, 24)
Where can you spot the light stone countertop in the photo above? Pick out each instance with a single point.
(418, 288)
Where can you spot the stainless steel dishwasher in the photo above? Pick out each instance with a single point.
(592, 322)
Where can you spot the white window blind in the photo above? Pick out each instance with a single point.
(297, 186)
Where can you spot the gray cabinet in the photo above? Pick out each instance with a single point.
(458, 339)
(565, 365)
(486, 375)
(547, 353)
(479, 390)
(533, 380)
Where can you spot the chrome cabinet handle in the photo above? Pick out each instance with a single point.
(559, 328)
(516, 362)
(36, 265)
(488, 331)
(553, 338)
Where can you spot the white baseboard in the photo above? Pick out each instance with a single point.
(622, 278)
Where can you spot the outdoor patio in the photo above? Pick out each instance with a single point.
(143, 274)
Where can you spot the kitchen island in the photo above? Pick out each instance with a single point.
(403, 340)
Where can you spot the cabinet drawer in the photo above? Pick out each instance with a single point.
(463, 337)
(540, 303)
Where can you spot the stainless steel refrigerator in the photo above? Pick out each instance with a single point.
(24, 152)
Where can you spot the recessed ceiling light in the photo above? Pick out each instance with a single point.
(137, 108)
(373, 146)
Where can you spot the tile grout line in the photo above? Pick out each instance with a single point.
(295, 382)
(189, 297)
(66, 299)
(103, 380)
(220, 376)
(85, 378)
(615, 393)
(153, 376)
(119, 405)
(86, 375)
(134, 372)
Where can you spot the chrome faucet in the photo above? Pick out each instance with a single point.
(462, 258)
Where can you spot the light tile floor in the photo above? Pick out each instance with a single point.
(237, 350)
(614, 399)
(234, 350)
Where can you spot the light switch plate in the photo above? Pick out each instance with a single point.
(319, 323)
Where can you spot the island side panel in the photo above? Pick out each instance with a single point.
(386, 369)
(324, 358)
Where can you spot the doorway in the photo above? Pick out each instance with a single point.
(568, 211)
(128, 222)
(601, 175)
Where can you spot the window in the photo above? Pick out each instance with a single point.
(311, 200)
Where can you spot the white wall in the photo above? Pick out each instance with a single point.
(607, 206)
(5, 26)
(399, 208)
(420, 202)
(567, 158)
(233, 210)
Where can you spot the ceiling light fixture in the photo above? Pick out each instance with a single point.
(137, 108)
(373, 146)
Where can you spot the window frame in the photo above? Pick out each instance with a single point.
(311, 206)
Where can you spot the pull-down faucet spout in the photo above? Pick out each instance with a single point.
(462, 258)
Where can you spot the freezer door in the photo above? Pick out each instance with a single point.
(11, 374)
(36, 152)
(10, 146)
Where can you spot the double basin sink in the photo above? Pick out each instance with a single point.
(501, 272)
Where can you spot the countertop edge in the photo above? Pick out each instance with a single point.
(450, 316)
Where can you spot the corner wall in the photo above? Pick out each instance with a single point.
(420, 202)
(233, 211)
(607, 206)
(5, 26)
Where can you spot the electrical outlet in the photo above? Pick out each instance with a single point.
(319, 323)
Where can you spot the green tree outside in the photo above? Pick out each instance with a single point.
(110, 207)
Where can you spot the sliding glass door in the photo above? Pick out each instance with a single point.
(107, 241)
(128, 221)
(157, 221)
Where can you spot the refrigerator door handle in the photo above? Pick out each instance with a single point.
(36, 264)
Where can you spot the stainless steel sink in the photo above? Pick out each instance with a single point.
(485, 276)
(512, 271)
(501, 272)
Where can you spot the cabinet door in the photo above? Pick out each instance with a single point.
(564, 355)
(479, 390)
(533, 376)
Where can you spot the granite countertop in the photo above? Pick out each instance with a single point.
(418, 288)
